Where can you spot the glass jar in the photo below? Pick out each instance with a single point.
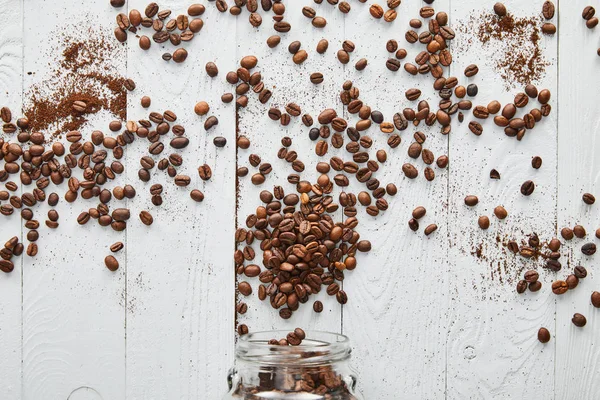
(317, 369)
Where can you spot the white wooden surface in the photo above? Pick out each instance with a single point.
(428, 319)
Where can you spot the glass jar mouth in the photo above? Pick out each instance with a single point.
(318, 348)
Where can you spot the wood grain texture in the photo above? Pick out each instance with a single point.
(11, 82)
(492, 347)
(577, 349)
(73, 309)
(398, 294)
(436, 317)
(289, 83)
(180, 284)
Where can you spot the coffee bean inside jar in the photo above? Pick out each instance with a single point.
(282, 365)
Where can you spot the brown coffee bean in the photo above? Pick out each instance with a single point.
(588, 12)
(595, 298)
(244, 288)
(588, 198)
(146, 218)
(549, 28)
(527, 188)
(588, 249)
(500, 9)
(111, 263)
(543, 335)
(483, 222)
(471, 70)
(579, 231)
(318, 306)
(572, 281)
(579, 320)
(476, 128)
(521, 286)
(204, 172)
(500, 212)
(536, 162)
(471, 200)
(531, 276)
(179, 55)
(580, 272)
(559, 287)
(430, 229)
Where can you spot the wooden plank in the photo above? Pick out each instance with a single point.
(289, 83)
(11, 81)
(577, 353)
(493, 350)
(396, 313)
(180, 281)
(73, 308)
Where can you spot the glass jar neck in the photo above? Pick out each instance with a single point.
(319, 366)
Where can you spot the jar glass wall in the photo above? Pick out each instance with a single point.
(317, 369)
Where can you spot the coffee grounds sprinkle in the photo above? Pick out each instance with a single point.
(86, 73)
(513, 44)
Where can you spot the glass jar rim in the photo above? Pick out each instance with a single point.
(318, 348)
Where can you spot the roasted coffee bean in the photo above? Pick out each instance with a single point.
(579, 320)
(471, 200)
(146, 218)
(543, 335)
(521, 286)
(549, 28)
(588, 198)
(111, 263)
(476, 128)
(588, 249)
(471, 70)
(500, 212)
(580, 272)
(483, 222)
(430, 229)
(595, 298)
(548, 10)
(527, 188)
(472, 90)
(559, 287)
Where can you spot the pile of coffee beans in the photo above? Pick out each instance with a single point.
(303, 248)
(97, 157)
(182, 28)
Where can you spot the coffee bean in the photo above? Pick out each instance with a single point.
(521, 286)
(430, 229)
(543, 335)
(559, 287)
(595, 298)
(471, 200)
(588, 12)
(500, 212)
(500, 9)
(471, 70)
(111, 263)
(204, 172)
(580, 272)
(588, 198)
(588, 249)
(146, 218)
(578, 320)
(535, 286)
(579, 231)
(475, 128)
(483, 222)
(179, 55)
(572, 281)
(527, 188)
(318, 306)
(419, 212)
